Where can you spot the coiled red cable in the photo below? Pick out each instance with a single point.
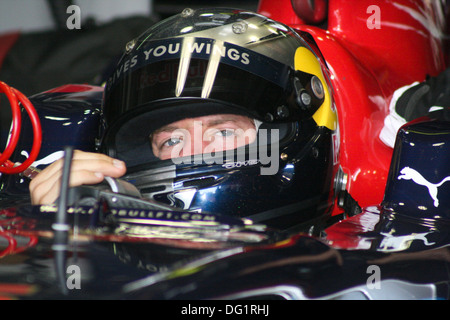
(14, 96)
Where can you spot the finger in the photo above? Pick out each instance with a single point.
(49, 190)
(86, 168)
(83, 161)
(106, 166)
(90, 161)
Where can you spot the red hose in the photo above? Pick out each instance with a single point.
(14, 96)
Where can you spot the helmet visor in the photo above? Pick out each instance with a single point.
(182, 68)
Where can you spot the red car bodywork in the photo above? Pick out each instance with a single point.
(371, 50)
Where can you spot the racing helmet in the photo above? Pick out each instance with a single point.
(227, 61)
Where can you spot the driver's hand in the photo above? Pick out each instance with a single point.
(87, 168)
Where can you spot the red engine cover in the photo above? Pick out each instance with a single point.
(371, 50)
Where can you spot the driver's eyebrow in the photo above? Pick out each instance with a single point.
(167, 128)
(208, 123)
(216, 122)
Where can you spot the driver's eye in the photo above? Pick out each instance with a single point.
(225, 132)
(172, 141)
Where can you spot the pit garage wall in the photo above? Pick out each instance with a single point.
(35, 15)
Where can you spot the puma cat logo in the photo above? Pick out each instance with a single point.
(408, 173)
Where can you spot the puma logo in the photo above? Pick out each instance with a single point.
(408, 173)
(398, 243)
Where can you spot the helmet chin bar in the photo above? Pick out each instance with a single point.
(160, 182)
(153, 182)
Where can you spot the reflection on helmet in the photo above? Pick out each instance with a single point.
(225, 61)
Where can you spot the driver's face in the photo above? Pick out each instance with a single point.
(206, 134)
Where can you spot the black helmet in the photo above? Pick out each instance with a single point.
(226, 61)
